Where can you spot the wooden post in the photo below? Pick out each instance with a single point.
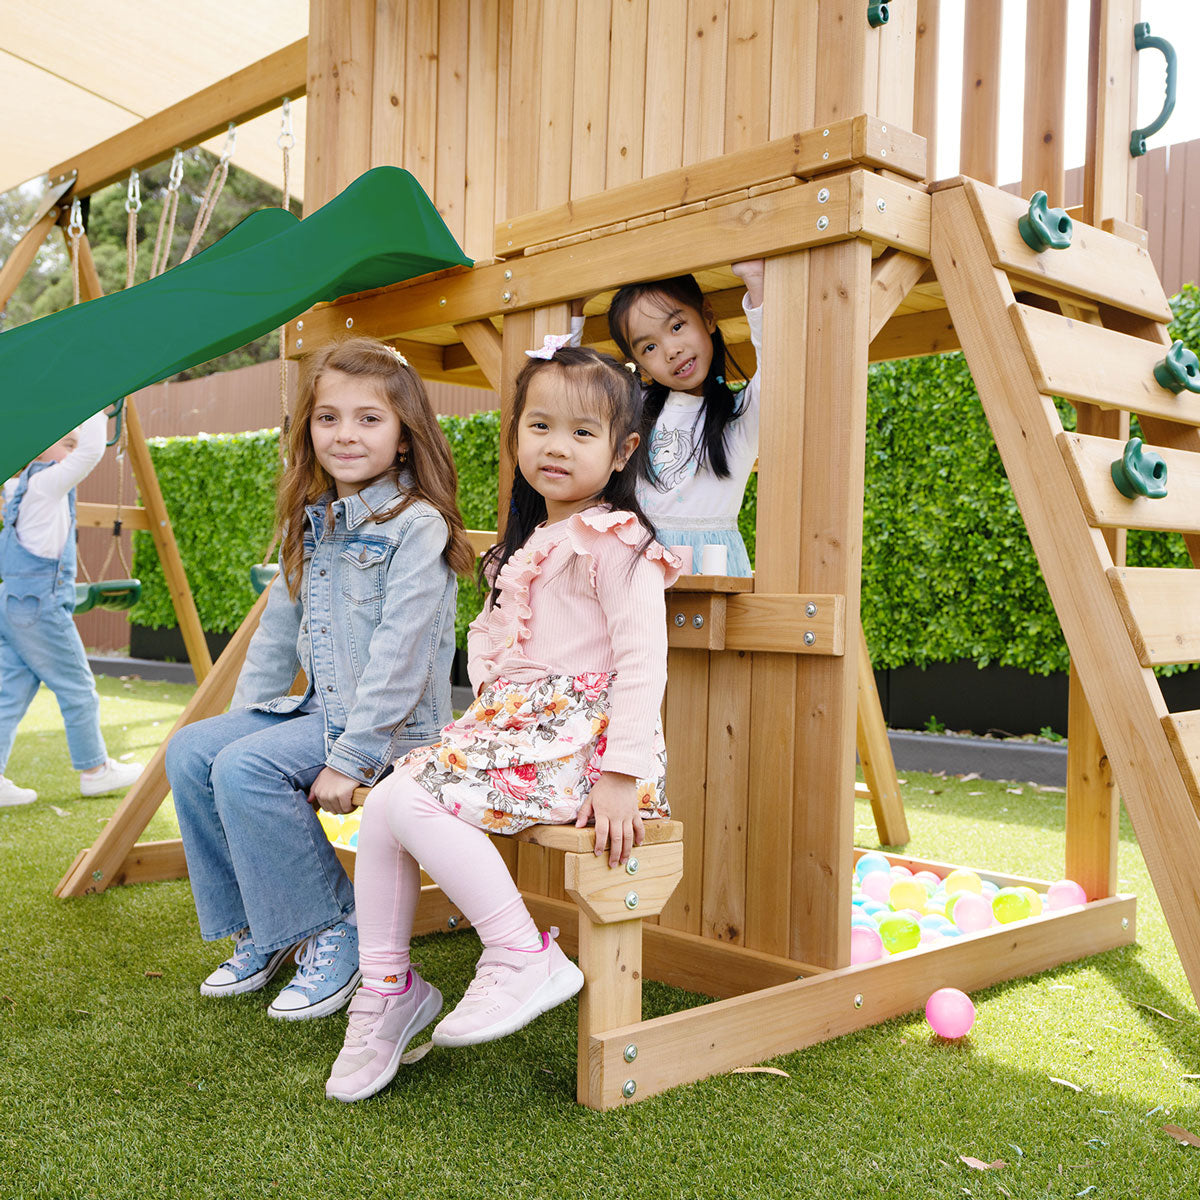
(979, 137)
(1042, 156)
(23, 254)
(925, 80)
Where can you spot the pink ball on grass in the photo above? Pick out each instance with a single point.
(950, 1013)
(972, 913)
(1066, 893)
(865, 945)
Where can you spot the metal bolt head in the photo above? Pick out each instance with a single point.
(822, 222)
(299, 324)
(628, 1088)
(299, 343)
(809, 637)
(631, 900)
(824, 132)
(698, 621)
(630, 1052)
(883, 129)
(441, 302)
(631, 867)
(97, 875)
(451, 922)
(823, 196)
(858, 1000)
(507, 274)
(881, 204)
(810, 609)
(680, 620)
(883, 153)
(349, 322)
(1124, 922)
(826, 154)
(506, 296)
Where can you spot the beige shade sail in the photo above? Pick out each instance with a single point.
(73, 74)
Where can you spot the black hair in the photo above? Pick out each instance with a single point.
(720, 403)
(619, 393)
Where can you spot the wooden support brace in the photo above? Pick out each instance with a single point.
(485, 346)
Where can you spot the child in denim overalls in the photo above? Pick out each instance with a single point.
(38, 639)
(371, 541)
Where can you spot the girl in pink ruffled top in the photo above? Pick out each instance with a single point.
(568, 660)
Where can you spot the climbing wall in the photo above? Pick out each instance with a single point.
(1088, 323)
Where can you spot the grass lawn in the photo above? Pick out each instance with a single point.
(119, 1081)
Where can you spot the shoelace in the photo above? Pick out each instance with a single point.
(243, 949)
(309, 958)
(486, 977)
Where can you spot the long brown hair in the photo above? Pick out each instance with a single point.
(434, 478)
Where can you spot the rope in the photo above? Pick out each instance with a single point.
(166, 218)
(212, 193)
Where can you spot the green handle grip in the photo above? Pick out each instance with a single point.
(1139, 472)
(114, 410)
(1179, 370)
(1143, 41)
(877, 13)
(1043, 227)
(261, 575)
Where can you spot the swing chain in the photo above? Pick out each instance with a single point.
(286, 139)
(133, 197)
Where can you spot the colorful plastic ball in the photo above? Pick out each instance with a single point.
(877, 885)
(936, 904)
(1035, 900)
(963, 880)
(865, 945)
(899, 933)
(952, 931)
(972, 913)
(930, 936)
(862, 921)
(1066, 893)
(935, 921)
(930, 878)
(989, 888)
(899, 872)
(950, 1013)
(874, 908)
(871, 861)
(908, 893)
(1011, 904)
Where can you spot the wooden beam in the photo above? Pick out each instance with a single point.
(979, 129)
(1110, 171)
(239, 97)
(685, 1046)
(914, 335)
(1043, 145)
(485, 346)
(875, 755)
(102, 516)
(893, 275)
(770, 224)
(25, 251)
(926, 80)
(864, 140)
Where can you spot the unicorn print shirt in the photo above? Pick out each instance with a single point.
(689, 495)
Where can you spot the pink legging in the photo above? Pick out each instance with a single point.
(403, 825)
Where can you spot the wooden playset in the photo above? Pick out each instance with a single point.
(576, 145)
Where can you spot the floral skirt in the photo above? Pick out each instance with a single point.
(528, 754)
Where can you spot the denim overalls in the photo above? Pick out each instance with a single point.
(38, 639)
(373, 628)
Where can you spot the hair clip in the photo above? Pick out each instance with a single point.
(396, 354)
(631, 368)
(553, 342)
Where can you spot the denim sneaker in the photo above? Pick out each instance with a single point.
(246, 970)
(379, 1029)
(327, 976)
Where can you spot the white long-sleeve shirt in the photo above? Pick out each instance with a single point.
(45, 520)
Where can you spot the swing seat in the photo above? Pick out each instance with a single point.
(261, 575)
(111, 595)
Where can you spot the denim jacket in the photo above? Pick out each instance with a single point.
(373, 629)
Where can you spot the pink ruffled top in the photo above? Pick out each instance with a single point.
(578, 597)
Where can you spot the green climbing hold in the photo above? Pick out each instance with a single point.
(261, 575)
(1140, 472)
(1043, 227)
(877, 13)
(1179, 370)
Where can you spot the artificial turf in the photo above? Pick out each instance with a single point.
(119, 1081)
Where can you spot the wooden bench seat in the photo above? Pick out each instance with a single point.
(612, 902)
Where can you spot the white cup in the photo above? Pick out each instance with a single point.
(714, 559)
(684, 554)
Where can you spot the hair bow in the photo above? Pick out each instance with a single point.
(552, 343)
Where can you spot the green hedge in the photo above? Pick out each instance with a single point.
(948, 571)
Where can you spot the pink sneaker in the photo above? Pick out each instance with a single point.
(510, 988)
(379, 1030)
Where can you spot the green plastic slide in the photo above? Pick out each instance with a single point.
(57, 371)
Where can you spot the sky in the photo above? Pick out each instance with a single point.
(1176, 20)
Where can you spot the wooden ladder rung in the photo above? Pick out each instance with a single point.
(1099, 265)
(1161, 607)
(1082, 361)
(1183, 732)
(1089, 460)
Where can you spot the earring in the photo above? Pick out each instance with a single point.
(403, 457)
(720, 378)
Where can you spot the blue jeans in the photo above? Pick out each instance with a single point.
(40, 644)
(256, 853)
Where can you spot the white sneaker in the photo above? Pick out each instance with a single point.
(112, 777)
(11, 795)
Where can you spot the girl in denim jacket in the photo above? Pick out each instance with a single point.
(371, 542)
